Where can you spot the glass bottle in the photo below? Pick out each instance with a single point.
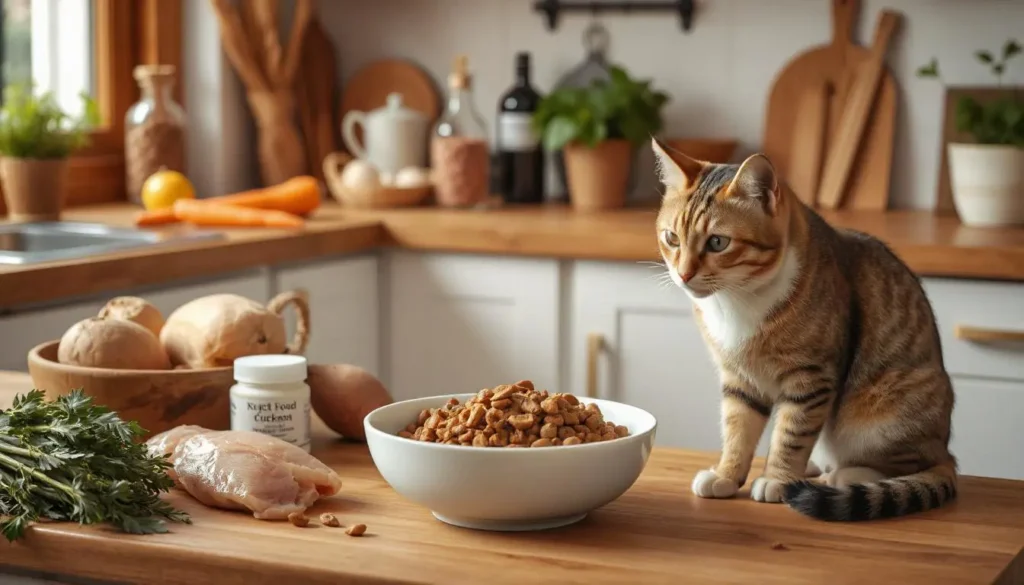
(459, 150)
(154, 129)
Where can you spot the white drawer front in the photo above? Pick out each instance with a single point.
(988, 439)
(992, 307)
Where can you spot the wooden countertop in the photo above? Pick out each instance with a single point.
(931, 245)
(655, 533)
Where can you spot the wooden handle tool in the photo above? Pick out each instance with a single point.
(856, 113)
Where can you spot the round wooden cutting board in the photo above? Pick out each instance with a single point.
(368, 89)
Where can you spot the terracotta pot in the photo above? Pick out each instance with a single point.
(598, 177)
(34, 189)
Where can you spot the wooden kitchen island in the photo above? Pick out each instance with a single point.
(658, 532)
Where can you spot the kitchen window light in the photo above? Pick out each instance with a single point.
(69, 46)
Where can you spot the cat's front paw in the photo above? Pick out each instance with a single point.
(708, 484)
(767, 490)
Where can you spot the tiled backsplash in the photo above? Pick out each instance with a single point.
(718, 74)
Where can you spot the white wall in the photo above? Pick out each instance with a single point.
(718, 74)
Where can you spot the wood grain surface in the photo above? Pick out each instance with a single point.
(931, 245)
(657, 532)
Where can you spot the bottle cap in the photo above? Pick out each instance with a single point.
(270, 369)
(522, 59)
(460, 77)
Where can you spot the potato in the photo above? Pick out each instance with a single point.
(214, 330)
(342, 395)
(112, 343)
(135, 310)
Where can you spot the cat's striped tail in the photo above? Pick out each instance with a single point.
(887, 498)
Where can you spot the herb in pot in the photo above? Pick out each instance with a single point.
(1000, 121)
(36, 127)
(71, 460)
(599, 128)
(619, 108)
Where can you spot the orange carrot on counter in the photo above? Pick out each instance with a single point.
(297, 196)
(205, 213)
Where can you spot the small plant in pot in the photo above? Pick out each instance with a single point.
(987, 175)
(598, 128)
(36, 138)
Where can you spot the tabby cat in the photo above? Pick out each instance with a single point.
(825, 328)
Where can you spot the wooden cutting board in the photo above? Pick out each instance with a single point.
(316, 90)
(846, 145)
(833, 66)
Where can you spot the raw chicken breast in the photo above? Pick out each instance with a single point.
(245, 470)
(164, 443)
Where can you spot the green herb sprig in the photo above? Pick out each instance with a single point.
(617, 108)
(35, 126)
(71, 460)
(1000, 121)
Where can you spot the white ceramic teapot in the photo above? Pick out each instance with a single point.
(394, 137)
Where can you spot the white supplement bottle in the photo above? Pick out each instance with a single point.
(271, 396)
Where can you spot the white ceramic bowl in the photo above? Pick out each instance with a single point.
(493, 488)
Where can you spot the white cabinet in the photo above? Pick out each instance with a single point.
(987, 437)
(22, 331)
(344, 307)
(652, 354)
(459, 323)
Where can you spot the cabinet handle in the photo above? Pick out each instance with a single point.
(595, 343)
(985, 335)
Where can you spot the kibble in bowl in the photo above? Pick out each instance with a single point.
(514, 415)
(478, 480)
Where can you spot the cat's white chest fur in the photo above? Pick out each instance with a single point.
(731, 318)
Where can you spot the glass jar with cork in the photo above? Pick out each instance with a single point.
(154, 129)
(459, 149)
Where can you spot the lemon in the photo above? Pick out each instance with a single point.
(164, 187)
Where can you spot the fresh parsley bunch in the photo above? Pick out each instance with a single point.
(71, 460)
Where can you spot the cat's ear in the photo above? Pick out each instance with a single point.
(757, 178)
(675, 169)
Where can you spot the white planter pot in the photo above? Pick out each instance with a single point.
(987, 183)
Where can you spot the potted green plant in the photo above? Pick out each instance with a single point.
(36, 138)
(987, 175)
(598, 127)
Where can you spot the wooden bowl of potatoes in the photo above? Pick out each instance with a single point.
(157, 399)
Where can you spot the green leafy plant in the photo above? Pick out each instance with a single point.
(1000, 121)
(72, 460)
(618, 108)
(35, 126)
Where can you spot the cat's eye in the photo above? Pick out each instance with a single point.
(669, 238)
(717, 243)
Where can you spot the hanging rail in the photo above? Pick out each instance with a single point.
(553, 8)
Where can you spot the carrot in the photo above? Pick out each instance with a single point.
(205, 213)
(296, 196)
(155, 217)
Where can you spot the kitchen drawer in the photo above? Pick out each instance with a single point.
(990, 308)
(988, 439)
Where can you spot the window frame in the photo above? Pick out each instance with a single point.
(127, 33)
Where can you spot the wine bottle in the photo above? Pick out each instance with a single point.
(520, 156)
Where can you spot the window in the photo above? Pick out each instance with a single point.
(71, 46)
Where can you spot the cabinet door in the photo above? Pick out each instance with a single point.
(22, 331)
(987, 435)
(652, 354)
(344, 309)
(459, 323)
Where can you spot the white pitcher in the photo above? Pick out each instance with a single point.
(394, 137)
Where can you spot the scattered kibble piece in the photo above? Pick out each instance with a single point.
(779, 546)
(298, 519)
(328, 519)
(357, 530)
(514, 415)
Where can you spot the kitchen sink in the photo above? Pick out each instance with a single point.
(32, 243)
